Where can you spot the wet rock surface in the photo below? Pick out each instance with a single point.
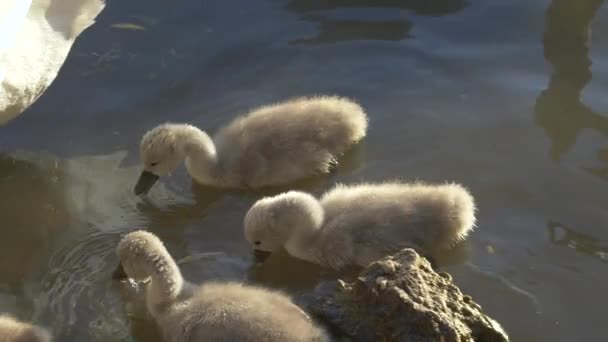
(401, 298)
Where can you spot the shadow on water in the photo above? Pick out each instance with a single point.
(333, 30)
(559, 110)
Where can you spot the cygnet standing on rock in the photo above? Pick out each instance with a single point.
(359, 224)
(213, 311)
(272, 145)
(12, 330)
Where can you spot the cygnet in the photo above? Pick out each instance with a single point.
(359, 224)
(272, 145)
(213, 311)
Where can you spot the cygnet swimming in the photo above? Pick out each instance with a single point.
(212, 311)
(272, 145)
(12, 330)
(359, 224)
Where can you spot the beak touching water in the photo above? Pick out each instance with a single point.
(119, 273)
(260, 256)
(145, 182)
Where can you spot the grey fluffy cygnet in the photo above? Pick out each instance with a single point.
(359, 224)
(272, 145)
(12, 330)
(212, 311)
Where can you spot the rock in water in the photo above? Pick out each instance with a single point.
(401, 298)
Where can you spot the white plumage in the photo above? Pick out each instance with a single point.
(35, 39)
(212, 311)
(359, 224)
(272, 145)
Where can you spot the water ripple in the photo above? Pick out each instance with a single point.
(76, 296)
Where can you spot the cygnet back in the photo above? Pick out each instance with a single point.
(282, 142)
(236, 312)
(380, 219)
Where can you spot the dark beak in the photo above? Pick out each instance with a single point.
(119, 273)
(145, 182)
(260, 256)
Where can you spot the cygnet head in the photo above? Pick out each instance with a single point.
(162, 149)
(138, 251)
(272, 221)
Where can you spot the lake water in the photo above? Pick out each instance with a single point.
(506, 97)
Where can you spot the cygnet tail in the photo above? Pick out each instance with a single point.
(344, 121)
(358, 121)
(458, 215)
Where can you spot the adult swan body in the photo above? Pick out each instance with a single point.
(35, 39)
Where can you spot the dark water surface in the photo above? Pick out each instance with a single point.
(506, 97)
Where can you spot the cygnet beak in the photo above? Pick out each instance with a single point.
(145, 182)
(260, 256)
(119, 273)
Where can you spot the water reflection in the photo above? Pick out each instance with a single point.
(559, 109)
(582, 243)
(332, 29)
(33, 214)
(422, 7)
(61, 223)
(76, 297)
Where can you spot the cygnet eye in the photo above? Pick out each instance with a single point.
(153, 164)
(257, 243)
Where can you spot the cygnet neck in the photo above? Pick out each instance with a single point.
(200, 154)
(166, 282)
(306, 218)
